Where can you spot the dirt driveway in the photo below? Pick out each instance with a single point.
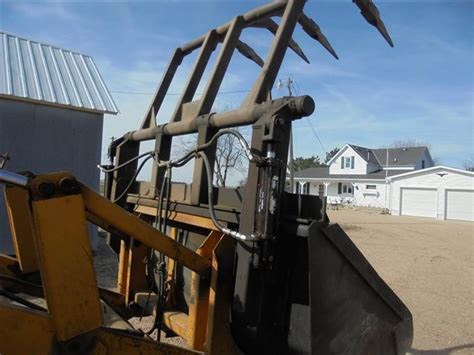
(430, 265)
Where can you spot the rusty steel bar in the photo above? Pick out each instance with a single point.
(300, 106)
(268, 10)
(149, 119)
(202, 60)
(283, 37)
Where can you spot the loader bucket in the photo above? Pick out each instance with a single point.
(351, 310)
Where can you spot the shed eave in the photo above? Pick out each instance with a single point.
(55, 104)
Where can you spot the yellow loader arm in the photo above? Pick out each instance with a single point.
(48, 216)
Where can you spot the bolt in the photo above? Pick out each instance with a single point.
(69, 185)
(46, 189)
(279, 122)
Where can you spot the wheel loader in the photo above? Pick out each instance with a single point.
(249, 270)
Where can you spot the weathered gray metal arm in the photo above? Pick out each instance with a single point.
(300, 106)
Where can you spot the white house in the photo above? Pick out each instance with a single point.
(358, 174)
(439, 192)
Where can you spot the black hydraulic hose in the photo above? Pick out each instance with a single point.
(182, 161)
(212, 212)
(115, 168)
(132, 180)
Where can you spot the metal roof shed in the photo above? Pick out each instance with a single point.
(52, 103)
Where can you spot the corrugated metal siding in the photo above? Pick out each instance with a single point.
(34, 71)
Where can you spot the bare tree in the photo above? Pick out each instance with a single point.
(408, 143)
(330, 154)
(230, 157)
(469, 164)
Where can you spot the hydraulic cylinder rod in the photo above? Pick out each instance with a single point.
(12, 178)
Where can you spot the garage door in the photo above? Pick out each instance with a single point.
(419, 202)
(460, 205)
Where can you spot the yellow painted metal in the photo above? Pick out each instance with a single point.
(219, 336)
(177, 322)
(124, 257)
(174, 216)
(170, 287)
(8, 265)
(25, 331)
(136, 273)
(199, 300)
(66, 265)
(21, 226)
(117, 343)
(116, 218)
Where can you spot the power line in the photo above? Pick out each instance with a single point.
(317, 137)
(292, 84)
(173, 93)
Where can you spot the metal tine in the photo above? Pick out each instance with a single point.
(314, 31)
(249, 53)
(272, 26)
(371, 14)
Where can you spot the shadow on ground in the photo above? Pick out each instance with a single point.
(446, 351)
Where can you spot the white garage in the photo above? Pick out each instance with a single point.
(418, 202)
(438, 192)
(460, 204)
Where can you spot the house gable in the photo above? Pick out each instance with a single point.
(348, 161)
(424, 161)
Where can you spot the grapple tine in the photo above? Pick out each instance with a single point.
(371, 14)
(249, 53)
(272, 26)
(314, 31)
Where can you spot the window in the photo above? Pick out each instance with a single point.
(347, 162)
(422, 164)
(321, 190)
(345, 189)
(306, 188)
(371, 187)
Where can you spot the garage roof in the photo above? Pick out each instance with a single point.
(441, 168)
(323, 173)
(46, 74)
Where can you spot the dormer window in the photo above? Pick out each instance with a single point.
(347, 162)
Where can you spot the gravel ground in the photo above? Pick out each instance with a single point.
(106, 265)
(428, 263)
(430, 266)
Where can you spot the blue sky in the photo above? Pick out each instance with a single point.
(421, 89)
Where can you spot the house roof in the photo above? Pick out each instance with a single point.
(38, 72)
(323, 173)
(399, 156)
(366, 153)
(440, 168)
